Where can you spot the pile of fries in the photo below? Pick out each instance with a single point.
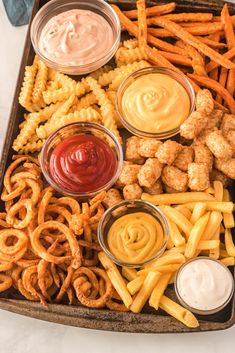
(48, 243)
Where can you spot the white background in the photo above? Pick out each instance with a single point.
(24, 335)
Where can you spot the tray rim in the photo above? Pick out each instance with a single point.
(80, 316)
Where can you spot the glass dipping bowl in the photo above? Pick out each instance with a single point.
(179, 77)
(121, 209)
(55, 7)
(80, 128)
(196, 310)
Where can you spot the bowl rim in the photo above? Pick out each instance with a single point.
(161, 217)
(201, 311)
(51, 6)
(87, 194)
(178, 76)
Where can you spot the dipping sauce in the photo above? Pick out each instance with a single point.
(135, 237)
(204, 284)
(155, 103)
(82, 163)
(76, 37)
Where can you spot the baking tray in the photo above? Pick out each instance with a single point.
(149, 321)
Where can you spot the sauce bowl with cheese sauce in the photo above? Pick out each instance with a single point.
(204, 285)
(75, 37)
(133, 233)
(154, 102)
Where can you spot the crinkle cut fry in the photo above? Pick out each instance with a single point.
(181, 33)
(214, 85)
(25, 98)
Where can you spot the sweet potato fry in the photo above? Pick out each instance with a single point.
(198, 62)
(133, 29)
(211, 43)
(213, 65)
(142, 23)
(189, 17)
(181, 33)
(156, 58)
(222, 80)
(216, 86)
(153, 11)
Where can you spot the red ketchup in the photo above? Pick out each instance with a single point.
(82, 163)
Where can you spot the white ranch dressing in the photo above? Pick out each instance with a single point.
(204, 284)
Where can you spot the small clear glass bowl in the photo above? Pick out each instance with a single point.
(195, 310)
(55, 7)
(77, 129)
(127, 207)
(180, 77)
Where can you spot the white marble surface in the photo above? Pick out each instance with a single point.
(25, 335)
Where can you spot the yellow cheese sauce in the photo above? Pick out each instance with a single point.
(135, 237)
(155, 103)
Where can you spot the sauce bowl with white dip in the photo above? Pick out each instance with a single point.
(204, 285)
(75, 37)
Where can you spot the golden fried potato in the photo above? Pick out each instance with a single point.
(228, 123)
(215, 119)
(132, 192)
(132, 154)
(150, 172)
(175, 178)
(184, 157)
(203, 155)
(148, 147)
(168, 151)
(230, 137)
(113, 197)
(155, 189)
(226, 167)
(128, 174)
(204, 102)
(218, 145)
(198, 176)
(193, 126)
(219, 176)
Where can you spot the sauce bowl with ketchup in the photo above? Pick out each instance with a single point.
(75, 37)
(81, 159)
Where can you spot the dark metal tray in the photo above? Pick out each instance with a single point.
(149, 321)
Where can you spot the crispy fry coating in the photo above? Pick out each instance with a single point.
(228, 123)
(126, 56)
(130, 43)
(168, 151)
(218, 145)
(148, 147)
(175, 178)
(150, 172)
(155, 189)
(198, 176)
(217, 175)
(132, 192)
(226, 166)
(184, 157)
(204, 102)
(25, 98)
(215, 119)
(131, 153)
(128, 174)
(112, 198)
(193, 126)
(40, 83)
(203, 155)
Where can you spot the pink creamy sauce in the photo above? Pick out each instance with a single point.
(76, 37)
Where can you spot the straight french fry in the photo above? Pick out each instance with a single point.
(219, 190)
(175, 235)
(228, 218)
(221, 206)
(166, 260)
(116, 279)
(208, 244)
(215, 253)
(135, 285)
(162, 269)
(180, 220)
(178, 249)
(178, 312)
(228, 261)
(145, 291)
(129, 273)
(185, 211)
(229, 244)
(198, 211)
(178, 198)
(159, 290)
(195, 235)
(213, 224)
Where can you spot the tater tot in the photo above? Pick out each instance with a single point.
(226, 167)
(184, 157)
(218, 145)
(228, 123)
(215, 119)
(193, 126)
(113, 197)
(132, 192)
(230, 137)
(201, 139)
(204, 102)
(128, 174)
(175, 178)
(155, 189)
(219, 176)
(148, 147)
(198, 177)
(203, 155)
(168, 151)
(132, 154)
(170, 190)
(150, 172)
